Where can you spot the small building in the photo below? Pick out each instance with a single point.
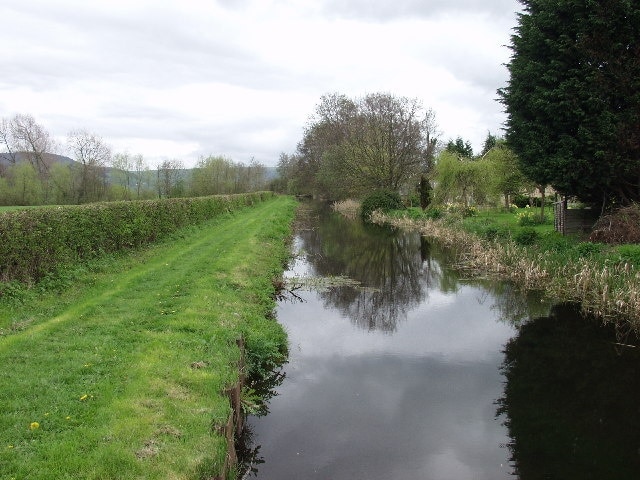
(573, 221)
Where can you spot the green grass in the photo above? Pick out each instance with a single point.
(106, 366)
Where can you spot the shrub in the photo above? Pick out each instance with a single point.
(521, 201)
(383, 200)
(530, 218)
(630, 254)
(469, 212)
(432, 213)
(588, 249)
(493, 232)
(555, 242)
(526, 236)
(35, 242)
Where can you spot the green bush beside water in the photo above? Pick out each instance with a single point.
(34, 242)
(383, 200)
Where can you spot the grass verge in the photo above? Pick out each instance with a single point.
(122, 373)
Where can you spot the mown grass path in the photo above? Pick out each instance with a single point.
(122, 375)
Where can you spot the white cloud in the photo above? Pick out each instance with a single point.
(240, 78)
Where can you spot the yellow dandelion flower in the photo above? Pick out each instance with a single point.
(34, 425)
(67, 418)
(83, 397)
(10, 446)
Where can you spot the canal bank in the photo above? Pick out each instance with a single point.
(605, 283)
(418, 372)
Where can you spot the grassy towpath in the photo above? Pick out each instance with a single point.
(122, 374)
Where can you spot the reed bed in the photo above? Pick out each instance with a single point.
(604, 286)
(348, 208)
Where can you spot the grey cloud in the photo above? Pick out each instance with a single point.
(384, 10)
(87, 44)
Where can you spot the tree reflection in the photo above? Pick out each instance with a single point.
(513, 304)
(264, 387)
(571, 399)
(396, 268)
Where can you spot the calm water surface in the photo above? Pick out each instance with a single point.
(421, 375)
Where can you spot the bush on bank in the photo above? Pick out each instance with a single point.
(34, 242)
(382, 200)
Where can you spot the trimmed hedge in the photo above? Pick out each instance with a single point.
(35, 242)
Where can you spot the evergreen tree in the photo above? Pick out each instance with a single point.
(460, 148)
(573, 98)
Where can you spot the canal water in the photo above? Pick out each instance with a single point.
(416, 373)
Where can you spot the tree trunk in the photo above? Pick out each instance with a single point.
(542, 189)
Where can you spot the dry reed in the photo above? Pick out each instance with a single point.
(348, 208)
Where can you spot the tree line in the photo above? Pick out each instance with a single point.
(32, 174)
(573, 123)
(352, 147)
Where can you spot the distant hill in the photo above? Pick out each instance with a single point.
(271, 173)
(5, 158)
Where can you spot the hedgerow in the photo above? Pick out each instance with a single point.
(35, 242)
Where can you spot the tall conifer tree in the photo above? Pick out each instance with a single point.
(573, 98)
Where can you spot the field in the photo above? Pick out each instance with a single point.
(118, 370)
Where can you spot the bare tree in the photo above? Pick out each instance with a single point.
(169, 178)
(142, 174)
(93, 154)
(6, 139)
(122, 164)
(353, 146)
(31, 138)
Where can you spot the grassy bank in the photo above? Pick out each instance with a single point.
(122, 373)
(605, 280)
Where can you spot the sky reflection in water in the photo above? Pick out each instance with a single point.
(412, 398)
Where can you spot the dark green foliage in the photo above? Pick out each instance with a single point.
(630, 254)
(555, 242)
(354, 146)
(424, 190)
(460, 148)
(520, 201)
(526, 236)
(34, 242)
(493, 232)
(573, 99)
(571, 399)
(588, 249)
(489, 142)
(383, 200)
(433, 213)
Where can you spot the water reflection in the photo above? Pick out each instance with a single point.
(407, 387)
(572, 399)
(397, 269)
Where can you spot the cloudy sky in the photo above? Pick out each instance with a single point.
(239, 78)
